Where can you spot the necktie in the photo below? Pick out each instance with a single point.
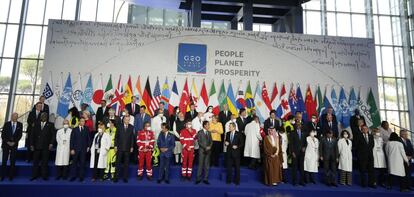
(299, 134)
(273, 122)
(330, 124)
(81, 128)
(14, 127)
(366, 138)
(232, 137)
(225, 112)
(43, 125)
(133, 108)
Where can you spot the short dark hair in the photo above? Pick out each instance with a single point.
(205, 123)
(343, 133)
(242, 110)
(164, 125)
(383, 123)
(272, 111)
(103, 100)
(143, 107)
(147, 122)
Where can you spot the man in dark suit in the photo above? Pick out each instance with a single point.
(314, 125)
(242, 120)
(41, 142)
(205, 142)
(166, 144)
(354, 121)
(34, 116)
(224, 117)
(140, 119)
(364, 143)
(329, 155)
(101, 113)
(190, 115)
(272, 121)
(133, 107)
(79, 147)
(10, 137)
(297, 146)
(164, 111)
(409, 152)
(330, 111)
(330, 125)
(124, 140)
(234, 142)
(44, 107)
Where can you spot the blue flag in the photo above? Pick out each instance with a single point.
(334, 101)
(301, 104)
(353, 102)
(88, 94)
(65, 99)
(343, 109)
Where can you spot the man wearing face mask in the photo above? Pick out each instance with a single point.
(63, 151)
(345, 158)
(314, 125)
(145, 143)
(41, 143)
(111, 161)
(157, 121)
(187, 139)
(99, 152)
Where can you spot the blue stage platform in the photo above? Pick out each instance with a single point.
(251, 185)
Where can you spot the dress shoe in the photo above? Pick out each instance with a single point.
(125, 180)
(334, 185)
(139, 178)
(93, 180)
(149, 178)
(33, 178)
(206, 182)
(11, 178)
(167, 181)
(159, 181)
(373, 186)
(228, 182)
(197, 182)
(237, 183)
(404, 190)
(72, 179)
(115, 180)
(57, 178)
(81, 180)
(2, 179)
(45, 178)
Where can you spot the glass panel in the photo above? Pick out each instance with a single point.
(27, 76)
(313, 23)
(2, 32)
(381, 93)
(345, 28)
(376, 30)
(5, 73)
(402, 94)
(121, 13)
(405, 123)
(206, 24)
(382, 113)
(23, 104)
(11, 39)
(399, 62)
(171, 18)
(343, 6)
(105, 10)
(331, 21)
(263, 27)
(38, 89)
(393, 117)
(69, 9)
(4, 10)
(53, 10)
(43, 44)
(395, 8)
(388, 61)
(223, 25)
(35, 12)
(358, 6)
(385, 30)
(359, 26)
(378, 60)
(139, 15)
(396, 30)
(390, 93)
(15, 9)
(330, 5)
(31, 42)
(256, 27)
(88, 10)
(374, 6)
(312, 5)
(3, 105)
(383, 7)
(155, 16)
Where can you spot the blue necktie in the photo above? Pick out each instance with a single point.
(231, 137)
(299, 134)
(13, 128)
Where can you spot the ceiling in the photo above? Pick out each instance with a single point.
(264, 11)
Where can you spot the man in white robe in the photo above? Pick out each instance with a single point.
(252, 143)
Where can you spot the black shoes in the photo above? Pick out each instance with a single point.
(159, 181)
(206, 182)
(125, 180)
(72, 179)
(139, 178)
(33, 178)
(197, 182)
(149, 178)
(167, 181)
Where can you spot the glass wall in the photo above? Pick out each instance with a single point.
(34, 32)
(378, 19)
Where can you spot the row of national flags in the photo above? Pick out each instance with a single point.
(284, 100)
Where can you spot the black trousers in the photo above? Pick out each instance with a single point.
(40, 158)
(78, 164)
(122, 161)
(233, 161)
(62, 171)
(297, 164)
(215, 153)
(8, 151)
(97, 172)
(380, 176)
(366, 168)
(408, 183)
(329, 166)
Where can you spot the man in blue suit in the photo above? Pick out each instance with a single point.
(79, 147)
(141, 118)
(166, 144)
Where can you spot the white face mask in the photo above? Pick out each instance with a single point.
(233, 120)
(65, 126)
(189, 126)
(345, 136)
(210, 110)
(100, 130)
(108, 125)
(123, 113)
(160, 115)
(378, 134)
(313, 119)
(292, 122)
(202, 118)
(148, 128)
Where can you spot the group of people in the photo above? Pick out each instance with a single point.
(111, 142)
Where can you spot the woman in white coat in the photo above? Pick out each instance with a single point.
(380, 164)
(252, 143)
(284, 141)
(63, 151)
(345, 158)
(311, 157)
(99, 152)
(396, 158)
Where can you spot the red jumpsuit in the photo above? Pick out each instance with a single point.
(145, 143)
(187, 138)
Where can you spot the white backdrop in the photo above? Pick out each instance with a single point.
(101, 49)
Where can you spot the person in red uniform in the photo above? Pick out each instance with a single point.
(88, 121)
(187, 139)
(145, 143)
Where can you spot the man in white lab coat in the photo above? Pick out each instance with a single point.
(63, 150)
(252, 144)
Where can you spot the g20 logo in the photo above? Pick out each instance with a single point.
(192, 58)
